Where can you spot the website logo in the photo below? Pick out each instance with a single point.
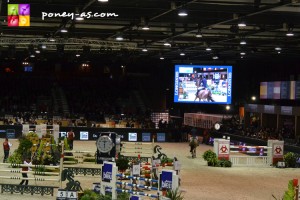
(18, 14)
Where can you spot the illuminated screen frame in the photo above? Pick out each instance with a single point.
(185, 83)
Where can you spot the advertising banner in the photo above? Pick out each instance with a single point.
(107, 172)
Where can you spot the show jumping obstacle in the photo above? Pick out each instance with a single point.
(268, 155)
(169, 180)
(145, 151)
(29, 189)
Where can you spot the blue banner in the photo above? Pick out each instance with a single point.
(134, 198)
(166, 180)
(107, 172)
(161, 137)
(146, 137)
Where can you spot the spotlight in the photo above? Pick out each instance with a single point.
(144, 50)
(208, 49)
(182, 54)
(37, 51)
(103, 0)
(52, 40)
(215, 57)
(77, 55)
(43, 46)
(162, 58)
(32, 56)
(243, 53)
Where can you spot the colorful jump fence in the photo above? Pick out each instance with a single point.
(143, 149)
(243, 155)
(168, 180)
(78, 156)
(29, 189)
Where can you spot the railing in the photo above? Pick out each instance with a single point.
(250, 160)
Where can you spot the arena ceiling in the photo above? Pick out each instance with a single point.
(213, 24)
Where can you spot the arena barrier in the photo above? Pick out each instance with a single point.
(268, 155)
(168, 180)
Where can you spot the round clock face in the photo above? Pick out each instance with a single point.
(217, 126)
(104, 144)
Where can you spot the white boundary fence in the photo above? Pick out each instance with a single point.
(270, 154)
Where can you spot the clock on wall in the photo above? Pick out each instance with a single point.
(217, 126)
(105, 144)
(108, 146)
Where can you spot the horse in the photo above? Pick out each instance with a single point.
(202, 94)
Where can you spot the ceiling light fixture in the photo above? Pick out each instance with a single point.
(167, 44)
(242, 24)
(77, 55)
(79, 18)
(64, 30)
(144, 50)
(278, 48)
(198, 34)
(215, 57)
(52, 40)
(37, 51)
(43, 46)
(145, 28)
(243, 53)
(119, 38)
(182, 54)
(289, 34)
(243, 42)
(103, 0)
(162, 58)
(32, 55)
(182, 13)
(208, 49)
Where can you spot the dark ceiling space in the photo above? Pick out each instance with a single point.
(214, 21)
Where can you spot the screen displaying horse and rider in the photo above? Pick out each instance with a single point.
(203, 84)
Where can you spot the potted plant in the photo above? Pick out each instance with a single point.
(210, 157)
(122, 163)
(290, 159)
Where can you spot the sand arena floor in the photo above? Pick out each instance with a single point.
(198, 181)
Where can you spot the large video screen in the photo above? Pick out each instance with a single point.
(203, 84)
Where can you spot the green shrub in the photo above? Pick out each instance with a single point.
(174, 194)
(290, 159)
(211, 158)
(209, 155)
(224, 163)
(15, 158)
(122, 163)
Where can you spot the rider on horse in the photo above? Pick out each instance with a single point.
(203, 83)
